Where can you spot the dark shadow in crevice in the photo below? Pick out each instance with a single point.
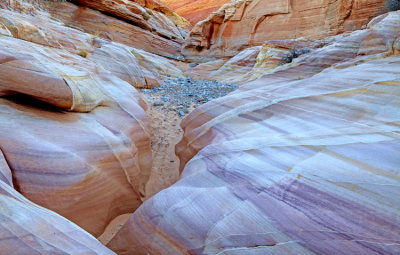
(31, 102)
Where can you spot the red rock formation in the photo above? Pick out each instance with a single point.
(289, 164)
(159, 35)
(156, 33)
(243, 24)
(118, 58)
(195, 10)
(149, 15)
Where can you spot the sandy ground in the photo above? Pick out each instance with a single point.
(166, 133)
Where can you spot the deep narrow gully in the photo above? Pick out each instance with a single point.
(167, 105)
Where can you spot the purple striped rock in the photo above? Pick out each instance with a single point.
(73, 129)
(74, 135)
(289, 165)
(27, 228)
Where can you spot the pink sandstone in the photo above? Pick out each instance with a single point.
(289, 165)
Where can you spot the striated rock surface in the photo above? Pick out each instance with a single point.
(161, 35)
(289, 165)
(254, 62)
(73, 128)
(88, 167)
(140, 68)
(195, 10)
(245, 23)
(117, 58)
(156, 33)
(149, 15)
(27, 228)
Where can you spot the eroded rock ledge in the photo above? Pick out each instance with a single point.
(245, 23)
(195, 10)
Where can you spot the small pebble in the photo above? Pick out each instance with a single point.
(158, 103)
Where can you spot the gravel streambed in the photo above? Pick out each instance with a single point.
(181, 94)
(167, 105)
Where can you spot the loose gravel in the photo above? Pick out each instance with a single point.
(167, 105)
(182, 94)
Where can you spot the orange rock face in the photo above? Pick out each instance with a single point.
(149, 15)
(195, 10)
(241, 24)
(146, 29)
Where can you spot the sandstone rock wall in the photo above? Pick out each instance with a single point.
(72, 126)
(289, 164)
(195, 10)
(245, 23)
(152, 27)
(86, 166)
(27, 228)
(147, 29)
(152, 16)
(255, 62)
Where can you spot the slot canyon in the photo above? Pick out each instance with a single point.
(201, 127)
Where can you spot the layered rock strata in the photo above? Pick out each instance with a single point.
(140, 27)
(255, 62)
(73, 127)
(122, 60)
(245, 23)
(150, 15)
(65, 148)
(27, 228)
(289, 164)
(197, 10)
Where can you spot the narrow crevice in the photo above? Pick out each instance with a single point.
(14, 183)
(29, 101)
(168, 104)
